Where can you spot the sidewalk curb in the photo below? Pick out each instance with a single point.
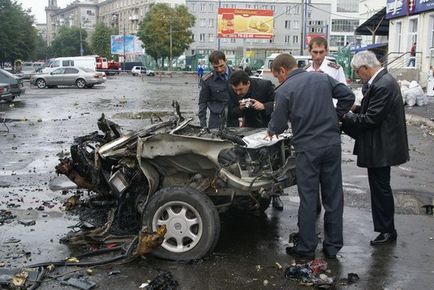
(419, 120)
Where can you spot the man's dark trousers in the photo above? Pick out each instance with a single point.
(314, 168)
(383, 207)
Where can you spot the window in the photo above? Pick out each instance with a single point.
(202, 7)
(296, 10)
(202, 37)
(287, 24)
(287, 38)
(193, 7)
(211, 7)
(398, 36)
(347, 6)
(233, 40)
(412, 32)
(431, 30)
(295, 38)
(211, 22)
(68, 63)
(344, 25)
(337, 40)
(202, 22)
(211, 37)
(288, 10)
(71, 70)
(295, 24)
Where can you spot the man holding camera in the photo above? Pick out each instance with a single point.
(250, 101)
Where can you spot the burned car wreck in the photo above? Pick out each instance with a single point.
(179, 175)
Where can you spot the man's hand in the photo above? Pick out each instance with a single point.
(257, 105)
(269, 136)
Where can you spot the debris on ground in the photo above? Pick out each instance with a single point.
(149, 241)
(163, 281)
(71, 202)
(308, 274)
(428, 208)
(6, 216)
(27, 223)
(315, 273)
(79, 283)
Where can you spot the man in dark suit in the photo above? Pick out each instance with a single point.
(250, 101)
(378, 126)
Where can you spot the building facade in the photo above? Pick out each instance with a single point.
(82, 14)
(412, 23)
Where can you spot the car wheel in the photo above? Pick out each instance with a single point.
(89, 86)
(81, 83)
(191, 219)
(40, 83)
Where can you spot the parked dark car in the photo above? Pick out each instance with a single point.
(15, 82)
(5, 93)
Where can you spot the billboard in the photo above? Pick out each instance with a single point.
(132, 44)
(245, 23)
(400, 8)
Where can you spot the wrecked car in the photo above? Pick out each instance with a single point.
(180, 175)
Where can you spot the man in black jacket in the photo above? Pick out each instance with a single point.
(250, 100)
(378, 126)
(305, 99)
(250, 104)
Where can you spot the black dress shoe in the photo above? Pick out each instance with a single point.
(277, 203)
(293, 252)
(327, 255)
(384, 239)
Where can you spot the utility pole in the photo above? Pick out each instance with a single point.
(81, 40)
(302, 27)
(123, 68)
(217, 26)
(170, 45)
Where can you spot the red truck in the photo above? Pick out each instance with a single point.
(110, 67)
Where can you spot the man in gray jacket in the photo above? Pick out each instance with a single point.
(305, 100)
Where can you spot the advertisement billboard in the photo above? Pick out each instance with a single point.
(132, 44)
(245, 23)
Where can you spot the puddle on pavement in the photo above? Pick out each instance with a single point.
(411, 202)
(141, 115)
(6, 106)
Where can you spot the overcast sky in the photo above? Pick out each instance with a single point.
(38, 7)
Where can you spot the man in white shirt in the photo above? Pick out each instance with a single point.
(318, 50)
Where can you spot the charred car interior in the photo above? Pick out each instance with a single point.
(177, 175)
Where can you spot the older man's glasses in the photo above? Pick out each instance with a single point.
(357, 70)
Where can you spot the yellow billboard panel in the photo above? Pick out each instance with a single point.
(245, 23)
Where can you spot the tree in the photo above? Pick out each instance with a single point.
(162, 23)
(101, 39)
(17, 35)
(67, 42)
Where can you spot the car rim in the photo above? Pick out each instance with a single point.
(41, 84)
(80, 84)
(184, 226)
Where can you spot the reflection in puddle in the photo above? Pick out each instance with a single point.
(141, 115)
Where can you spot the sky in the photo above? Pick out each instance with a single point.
(38, 7)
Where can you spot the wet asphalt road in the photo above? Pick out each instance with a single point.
(42, 124)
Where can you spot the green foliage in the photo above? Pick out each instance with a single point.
(100, 40)
(41, 49)
(155, 30)
(67, 42)
(17, 35)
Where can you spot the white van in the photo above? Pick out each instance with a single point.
(88, 62)
(302, 61)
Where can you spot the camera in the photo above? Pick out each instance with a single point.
(248, 102)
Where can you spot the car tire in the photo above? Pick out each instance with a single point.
(89, 86)
(80, 83)
(192, 221)
(40, 83)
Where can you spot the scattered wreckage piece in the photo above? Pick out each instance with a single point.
(176, 174)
